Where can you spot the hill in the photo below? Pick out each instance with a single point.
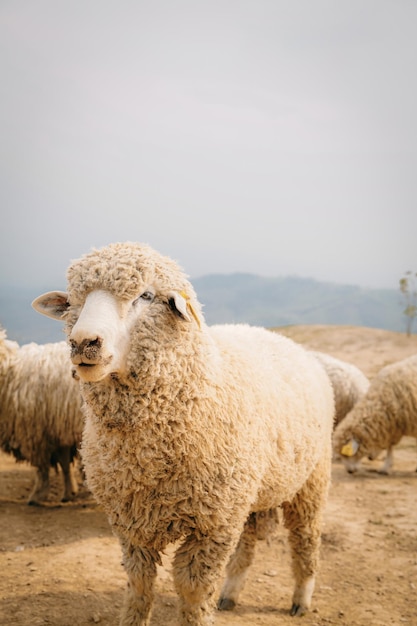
(280, 301)
(249, 298)
(370, 349)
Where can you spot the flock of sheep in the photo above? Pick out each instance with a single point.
(189, 433)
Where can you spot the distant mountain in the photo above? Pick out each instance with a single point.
(229, 298)
(288, 300)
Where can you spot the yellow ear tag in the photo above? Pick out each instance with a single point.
(347, 449)
(190, 307)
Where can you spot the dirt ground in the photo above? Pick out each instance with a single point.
(60, 564)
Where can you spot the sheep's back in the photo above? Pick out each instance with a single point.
(282, 400)
(41, 403)
(349, 383)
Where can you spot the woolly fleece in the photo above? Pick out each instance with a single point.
(40, 406)
(206, 425)
(349, 383)
(385, 414)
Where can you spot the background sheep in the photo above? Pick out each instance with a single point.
(349, 383)
(384, 415)
(189, 429)
(40, 410)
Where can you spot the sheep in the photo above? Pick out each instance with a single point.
(349, 383)
(191, 430)
(41, 420)
(381, 418)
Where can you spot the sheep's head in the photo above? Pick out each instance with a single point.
(352, 452)
(110, 292)
(351, 455)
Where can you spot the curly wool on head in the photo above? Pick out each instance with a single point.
(191, 430)
(136, 267)
(41, 420)
(382, 417)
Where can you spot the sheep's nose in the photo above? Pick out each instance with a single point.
(86, 351)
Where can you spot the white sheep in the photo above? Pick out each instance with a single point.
(190, 429)
(381, 418)
(40, 410)
(349, 383)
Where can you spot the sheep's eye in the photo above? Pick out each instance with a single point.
(146, 295)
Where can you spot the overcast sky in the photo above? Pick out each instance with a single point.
(267, 136)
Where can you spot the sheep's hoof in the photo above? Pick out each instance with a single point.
(297, 610)
(226, 604)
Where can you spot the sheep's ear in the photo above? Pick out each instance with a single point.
(178, 304)
(52, 304)
(181, 305)
(350, 448)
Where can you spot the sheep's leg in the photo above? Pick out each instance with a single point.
(198, 564)
(238, 565)
(41, 488)
(302, 517)
(387, 465)
(140, 566)
(64, 460)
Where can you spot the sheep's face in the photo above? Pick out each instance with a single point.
(353, 451)
(100, 337)
(100, 328)
(117, 298)
(351, 455)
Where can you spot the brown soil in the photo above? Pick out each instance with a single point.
(60, 564)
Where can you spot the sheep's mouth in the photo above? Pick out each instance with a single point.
(91, 371)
